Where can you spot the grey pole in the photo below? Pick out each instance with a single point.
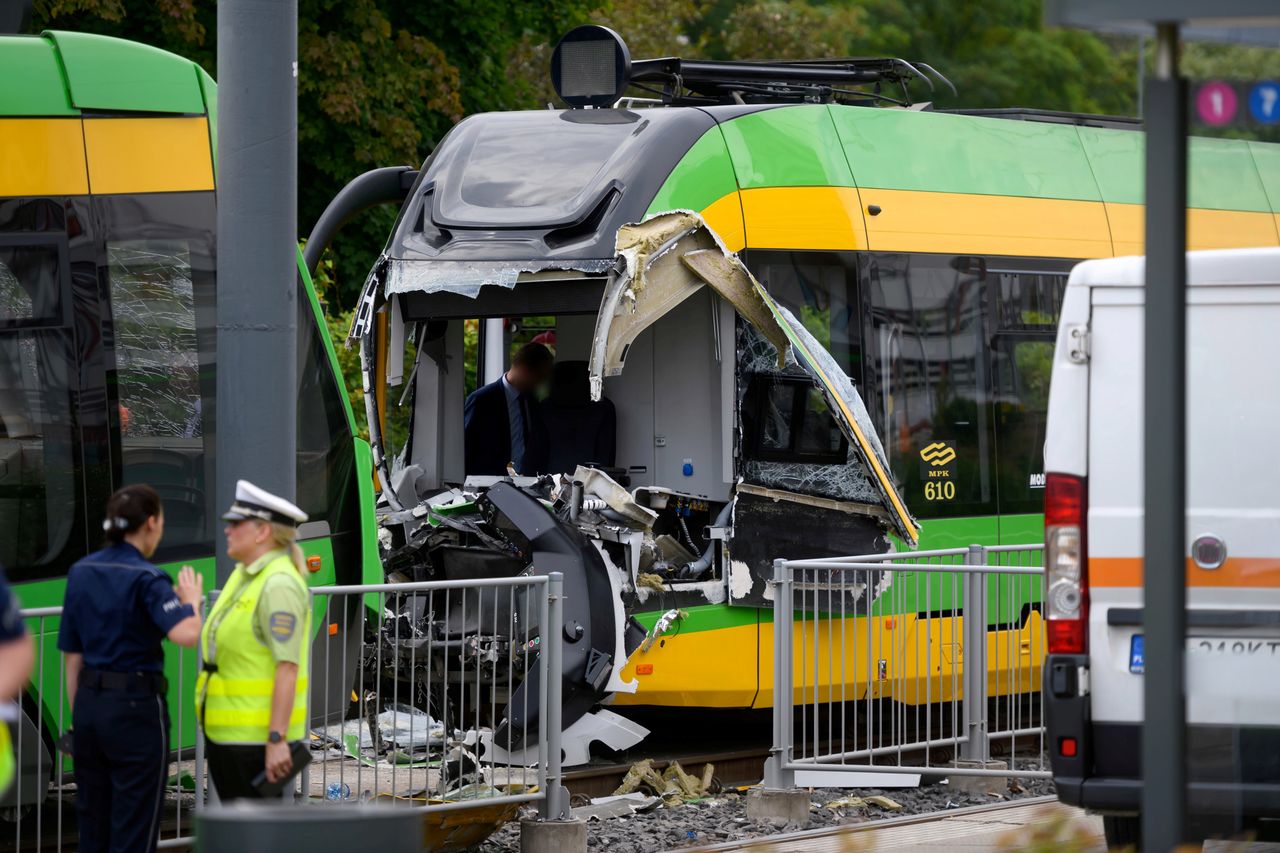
(257, 248)
(1164, 463)
(974, 706)
(780, 754)
(556, 804)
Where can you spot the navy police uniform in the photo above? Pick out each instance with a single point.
(118, 609)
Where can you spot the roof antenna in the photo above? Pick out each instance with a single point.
(15, 16)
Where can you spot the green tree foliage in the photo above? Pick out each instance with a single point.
(381, 81)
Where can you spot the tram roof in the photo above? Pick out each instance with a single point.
(61, 73)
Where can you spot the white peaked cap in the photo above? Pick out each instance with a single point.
(253, 502)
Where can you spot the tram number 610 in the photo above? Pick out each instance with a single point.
(942, 491)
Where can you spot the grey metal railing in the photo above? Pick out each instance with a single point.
(38, 812)
(455, 706)
(444, 714)
(924, 661)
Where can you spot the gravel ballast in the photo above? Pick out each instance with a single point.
(723, 817)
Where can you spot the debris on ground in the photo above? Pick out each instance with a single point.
(722, 817)
(673, 785)
(862, 802)
(621, 805)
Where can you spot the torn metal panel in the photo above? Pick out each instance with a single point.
(600, 485)
(813, 500)
(661, 263)
(801, 532)
(465, 278)
(668, 257)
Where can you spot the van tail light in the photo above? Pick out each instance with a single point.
(1066, 577)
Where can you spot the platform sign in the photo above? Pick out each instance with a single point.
(1235, 103)
(1264, 102)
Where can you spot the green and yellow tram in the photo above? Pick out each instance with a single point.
(108, 284)
(925, 251)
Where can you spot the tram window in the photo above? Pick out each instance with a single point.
(325, 460)
(1028, 301)
(820, 289)
(38, 447)
(786, 419)
(157, 359)
(33, 299)
(1022, 368)
(928, 381)
(160, 274)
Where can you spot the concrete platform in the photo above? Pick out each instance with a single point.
(1042, 825)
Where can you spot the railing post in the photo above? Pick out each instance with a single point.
(776, 776)
(555, 806)
(974, 613)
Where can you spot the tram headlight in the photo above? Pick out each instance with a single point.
(590, 66)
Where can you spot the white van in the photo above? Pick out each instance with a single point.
(1093, 531)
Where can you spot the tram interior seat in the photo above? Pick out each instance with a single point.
(582, 432)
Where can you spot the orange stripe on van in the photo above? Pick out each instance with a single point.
(1236, 571)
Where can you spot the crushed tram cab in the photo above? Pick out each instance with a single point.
(911, 264)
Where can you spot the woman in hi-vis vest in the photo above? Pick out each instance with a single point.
(16, 658)
(252, 690)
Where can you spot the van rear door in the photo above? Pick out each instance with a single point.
(1233, 512)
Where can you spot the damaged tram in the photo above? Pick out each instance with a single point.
(835, 310)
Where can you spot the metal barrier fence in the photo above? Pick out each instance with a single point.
(37, 813)
(435, 694)
(925, 661)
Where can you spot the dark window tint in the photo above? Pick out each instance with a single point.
(325, 455)
(1028, 301)
(160, 274)
(820, 289)
(39, 452)
(1022, 367)
(786, 419)
(928, 379)
(31, 291)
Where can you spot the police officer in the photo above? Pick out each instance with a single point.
(16, 657)
(253, 684)
(117, 611)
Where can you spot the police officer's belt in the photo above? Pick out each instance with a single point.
(144, 682)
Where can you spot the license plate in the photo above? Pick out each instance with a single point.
(1135, 654)
(1217, 647)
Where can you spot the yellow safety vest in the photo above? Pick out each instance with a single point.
(6, 758)
(235, 695)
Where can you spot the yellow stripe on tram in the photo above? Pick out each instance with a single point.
(1206, 229)
(798, 218)
(968, 224)
(142, 155)
(42, 157)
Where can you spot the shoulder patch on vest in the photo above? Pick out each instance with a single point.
(282, 625)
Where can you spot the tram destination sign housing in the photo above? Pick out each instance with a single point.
(590, 66)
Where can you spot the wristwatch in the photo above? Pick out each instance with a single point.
(275, 737)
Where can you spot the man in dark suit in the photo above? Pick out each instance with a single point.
(500, 421)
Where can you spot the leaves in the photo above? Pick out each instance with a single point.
(381, 81)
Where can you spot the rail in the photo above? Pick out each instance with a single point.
(916, 662)
(437, 694)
